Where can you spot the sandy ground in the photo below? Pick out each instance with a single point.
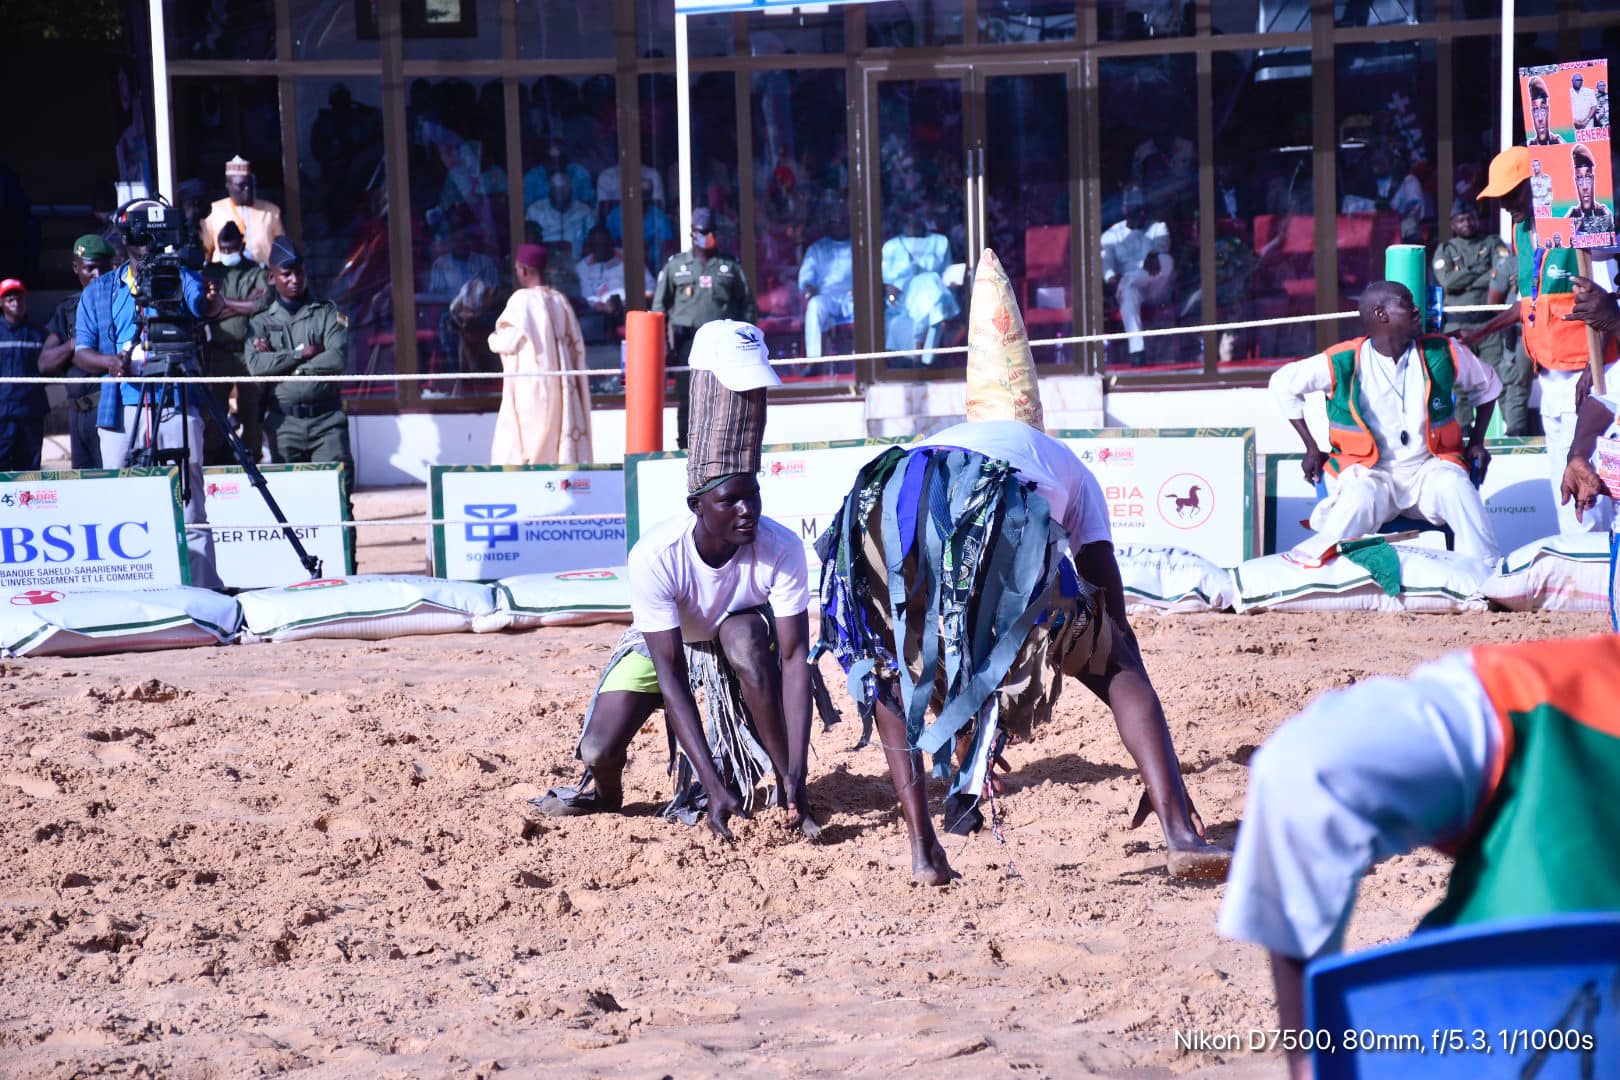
(316, 857)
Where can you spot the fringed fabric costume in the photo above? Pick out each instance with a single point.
(738, 755)
(945, 581)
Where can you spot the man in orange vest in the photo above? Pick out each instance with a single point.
(1556, 344)
(1396, 445)
(1506, 756)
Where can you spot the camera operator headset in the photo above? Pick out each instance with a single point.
(109, 338)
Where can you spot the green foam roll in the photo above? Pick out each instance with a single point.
(1408, 265)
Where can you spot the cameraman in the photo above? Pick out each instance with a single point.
(107, 339)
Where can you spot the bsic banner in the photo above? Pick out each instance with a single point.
(1188, 488)
(802, 485)
(1518, 496)
(95, 529)
(505, 510)
(251, 552)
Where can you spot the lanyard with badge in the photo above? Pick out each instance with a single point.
(1538, 261)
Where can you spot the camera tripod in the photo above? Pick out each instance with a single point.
(183, 362)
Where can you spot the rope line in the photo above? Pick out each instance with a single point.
(588, 373)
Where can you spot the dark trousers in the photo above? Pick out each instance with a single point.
(20, 444)
(678, 356)
(84, 438)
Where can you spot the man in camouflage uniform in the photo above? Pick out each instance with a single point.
(695, 287)
(243, 289)
(1464, 267)
(299, 335)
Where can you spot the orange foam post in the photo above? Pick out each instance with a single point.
(643, 382)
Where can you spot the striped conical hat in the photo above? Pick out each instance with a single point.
(1000, 367)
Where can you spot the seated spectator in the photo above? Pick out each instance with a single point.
(601, 274)
(1137, 267)
(657, 230)
(537, 181)
(460, 265)
(917, 301)
(827, 281)
(561, 217)
(607, 184)
(1396, 445)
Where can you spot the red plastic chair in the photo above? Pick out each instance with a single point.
(1046, 264)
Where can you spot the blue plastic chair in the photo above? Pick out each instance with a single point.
(1507, 985)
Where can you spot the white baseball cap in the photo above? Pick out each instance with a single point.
(735, 351)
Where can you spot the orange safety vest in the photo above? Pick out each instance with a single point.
(1352, 440)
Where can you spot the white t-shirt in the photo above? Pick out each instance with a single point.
(671, 586)
(1067, 486)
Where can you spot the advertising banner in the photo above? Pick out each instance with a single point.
(1189, 488)
(91, 529)
(801, 485)
(1566, 109)
(250, 550)
(1518, 496)
(508, 514)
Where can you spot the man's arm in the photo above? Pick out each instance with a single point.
(261, 359)
(87, 335)
(793, 638)
(669, 661)
(1289, 386)
(748, 310)
(1581, 482)
(1595, 306)
(331, 353)
(1096, 563)
(1500, 321)
(54, 357)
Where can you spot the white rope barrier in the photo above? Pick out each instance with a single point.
(589, 373)
(415, 522)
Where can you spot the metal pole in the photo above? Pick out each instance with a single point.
(1510, 86)
(162, 137)
(683, 127)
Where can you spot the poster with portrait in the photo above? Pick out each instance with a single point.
(1566, 108)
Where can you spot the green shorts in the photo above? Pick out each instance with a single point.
(634, 673)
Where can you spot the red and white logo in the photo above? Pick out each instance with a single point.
(1121, 456)
(319, 583)
(36, 597)
(576, 483)
(39, 498)
(224, 489)
(787, 468)
(588, 575)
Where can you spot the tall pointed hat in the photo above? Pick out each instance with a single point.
(1000, 367)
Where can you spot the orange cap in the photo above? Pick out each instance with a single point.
(1509, 169)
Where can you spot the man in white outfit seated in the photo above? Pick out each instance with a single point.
(1137, 266)
(827, 282)
(1397, 448)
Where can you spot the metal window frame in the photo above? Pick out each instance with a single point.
(1322, 38)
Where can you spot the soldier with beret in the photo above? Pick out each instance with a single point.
(92, 257)
(297, 334)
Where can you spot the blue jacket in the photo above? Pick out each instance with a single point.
(19, 356)
(106, 323)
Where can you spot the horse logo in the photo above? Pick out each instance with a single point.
(1186, 501)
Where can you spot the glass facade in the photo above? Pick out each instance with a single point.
(1132, 170)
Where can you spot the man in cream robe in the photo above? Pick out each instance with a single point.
(546, 420)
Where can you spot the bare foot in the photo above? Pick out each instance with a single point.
(806, 824)
(1205, 862)
(930, 867)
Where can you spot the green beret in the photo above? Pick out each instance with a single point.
(91, 246)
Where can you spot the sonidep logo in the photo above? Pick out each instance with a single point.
(317, 583)
(224, 489)
(787, 468)
(588, 575)
(36, 597)
(488, 525)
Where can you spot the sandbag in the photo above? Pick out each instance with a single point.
(571, 598)
(74, 622)
(1556, 573)
(1431, 581)
(369, 607)
(1172, 579)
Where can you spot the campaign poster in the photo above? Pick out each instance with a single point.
(1566, 109)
